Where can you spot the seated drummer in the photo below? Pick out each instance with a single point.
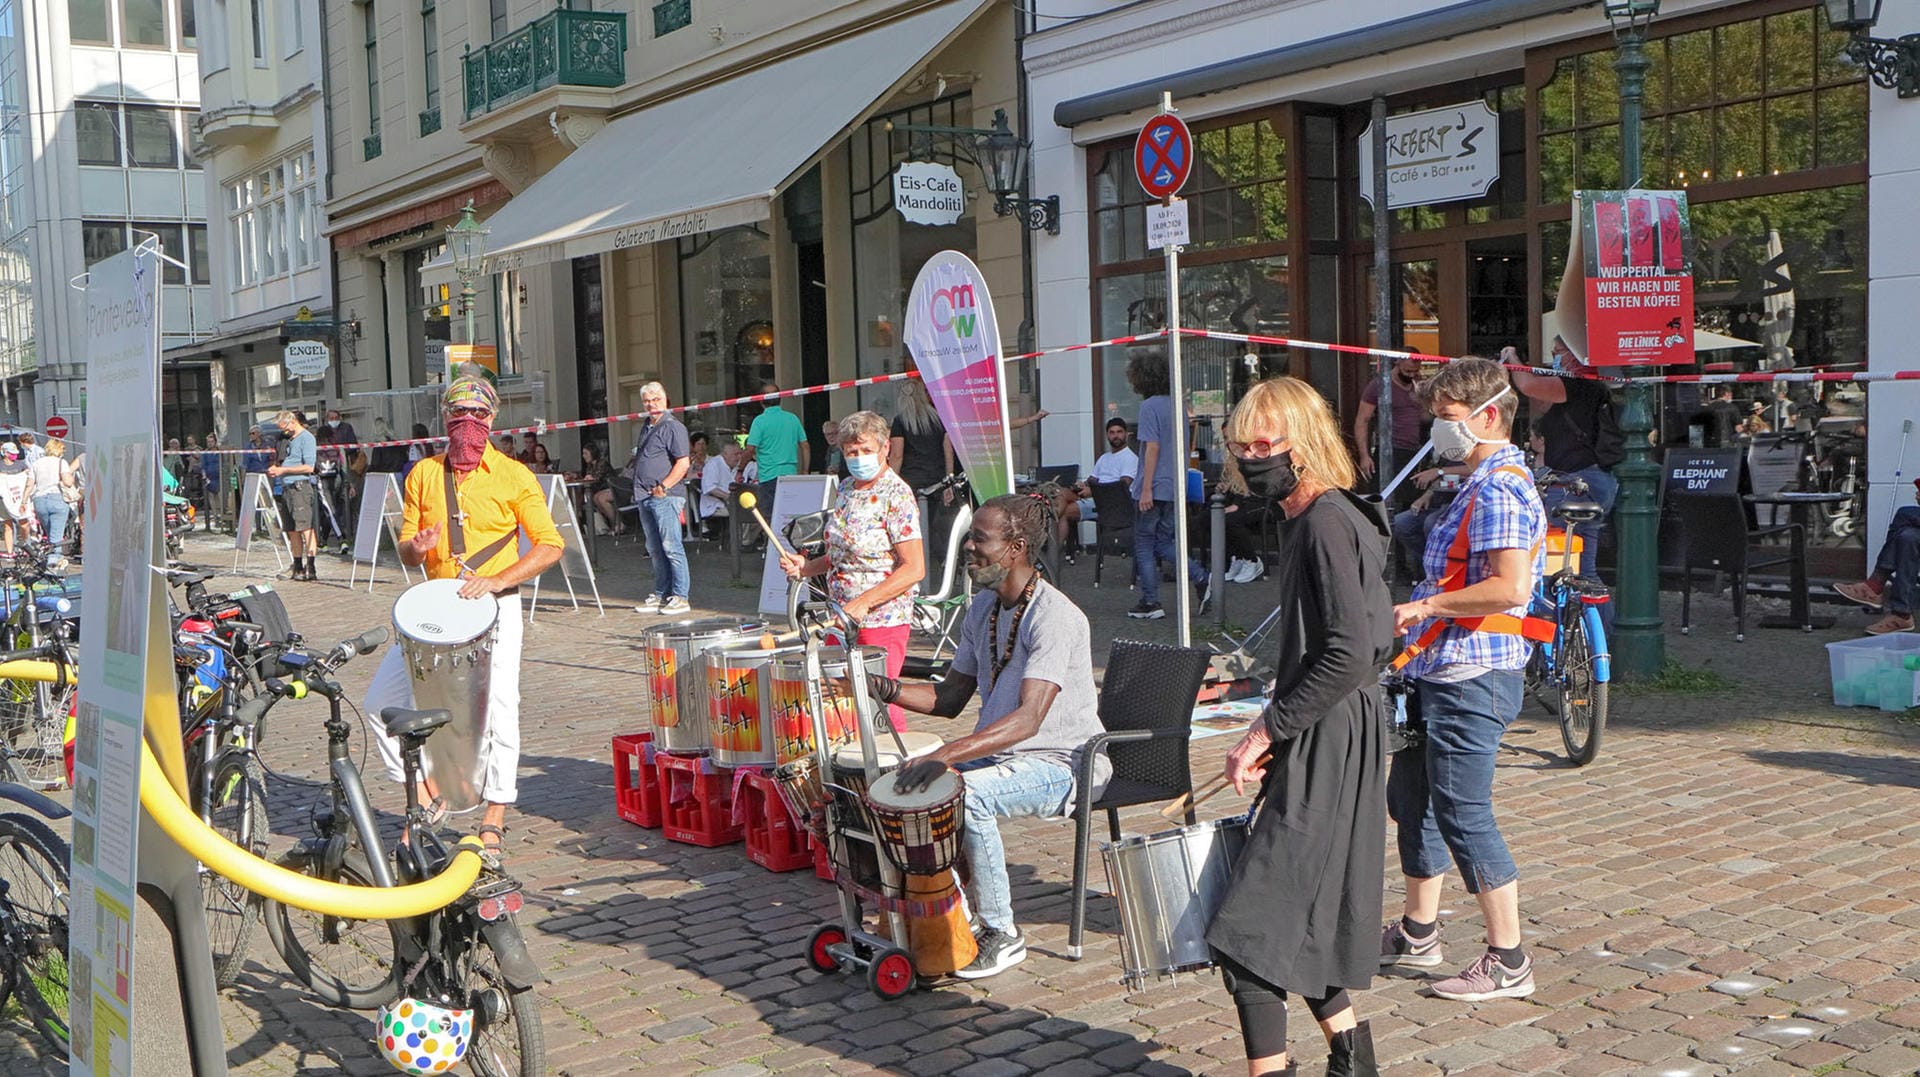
(1030, 645)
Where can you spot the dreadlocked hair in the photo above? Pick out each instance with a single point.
(1029, 517)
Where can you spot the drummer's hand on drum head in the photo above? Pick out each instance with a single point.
(919, 774)
(477, 586)
(1243, 762)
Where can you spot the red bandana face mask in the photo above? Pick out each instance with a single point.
(466, 441)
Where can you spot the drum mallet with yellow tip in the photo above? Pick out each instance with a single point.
(752, 504)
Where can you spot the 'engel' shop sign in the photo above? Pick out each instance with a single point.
(926, 192)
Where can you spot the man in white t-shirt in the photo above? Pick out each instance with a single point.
(718, 479)
(1116, 464)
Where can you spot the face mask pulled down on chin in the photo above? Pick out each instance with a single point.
(1454, 439)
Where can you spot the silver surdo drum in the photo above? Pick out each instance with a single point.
(1168, 886)
(677, 677)
(448, 645)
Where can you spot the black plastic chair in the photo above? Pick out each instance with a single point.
(1146, 707)
(1115, 510)
(1718, 540)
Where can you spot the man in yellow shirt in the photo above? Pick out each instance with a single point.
(498, 501)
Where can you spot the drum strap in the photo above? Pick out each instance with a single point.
(457, 539)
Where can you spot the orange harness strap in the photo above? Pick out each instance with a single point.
(1537, 629)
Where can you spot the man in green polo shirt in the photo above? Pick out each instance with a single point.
(777, 443)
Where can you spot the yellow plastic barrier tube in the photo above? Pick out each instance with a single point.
(30, 669)
(290, 887)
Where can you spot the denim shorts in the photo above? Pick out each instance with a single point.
(1441, 795)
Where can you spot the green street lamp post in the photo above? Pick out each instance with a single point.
(468, 243)
(1639, 645)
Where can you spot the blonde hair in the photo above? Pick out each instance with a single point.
(915, 408)
(1298, 412)
(56, 447)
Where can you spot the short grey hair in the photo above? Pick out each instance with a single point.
(652, 386)
(865, 424)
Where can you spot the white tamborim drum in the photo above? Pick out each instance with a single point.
(1168, 886)
(920, 831)
(448, 644)
(851, 771)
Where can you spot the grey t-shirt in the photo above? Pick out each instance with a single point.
(1055, 646)
(301, 449)
(1156, 425)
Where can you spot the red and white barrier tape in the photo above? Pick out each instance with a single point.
(542, 427)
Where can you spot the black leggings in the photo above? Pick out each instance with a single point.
(1263, 1008)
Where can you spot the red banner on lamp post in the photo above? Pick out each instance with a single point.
(1635, 249)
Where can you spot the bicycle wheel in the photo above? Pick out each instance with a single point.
(34, 877)
(239, 812)
(1583, 698)
(507, 1038)
(345, 962)
(33, 721)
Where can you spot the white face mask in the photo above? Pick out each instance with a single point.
(1453, 439)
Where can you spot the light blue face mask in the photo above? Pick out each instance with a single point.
(864, 467)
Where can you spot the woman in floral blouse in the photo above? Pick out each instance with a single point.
(874, 561)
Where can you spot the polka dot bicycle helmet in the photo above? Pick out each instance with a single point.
(422, 1038)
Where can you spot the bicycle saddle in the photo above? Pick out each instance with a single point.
(402, 722)
(1579, 511)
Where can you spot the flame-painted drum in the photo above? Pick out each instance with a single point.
(740, 702)
(448, 645)
(677, 679)
(792, 714)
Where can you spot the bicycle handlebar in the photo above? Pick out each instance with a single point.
(951, 482)
(1571, 483)
(312, 677)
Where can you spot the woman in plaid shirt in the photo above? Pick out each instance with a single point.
(1468, 674)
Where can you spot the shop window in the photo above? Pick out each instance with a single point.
(888, 250)
(1237, 194)
(88, 22)
(143, 23)
(1757, 97)
(726, 316)
(197, 256)
(189, 36)
(150, 137)
(97, 127)
(101, 240)
(171, 244)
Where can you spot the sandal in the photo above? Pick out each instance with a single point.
(436, 811)
(492, 848)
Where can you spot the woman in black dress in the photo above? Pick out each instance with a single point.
(1303, 911)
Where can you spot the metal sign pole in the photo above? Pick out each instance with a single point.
(1384, 321)
(1183, 607)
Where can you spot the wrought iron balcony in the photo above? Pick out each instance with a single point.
(429, 121)
(370, 147)
(563, 48)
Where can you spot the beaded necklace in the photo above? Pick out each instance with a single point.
(1000, 658)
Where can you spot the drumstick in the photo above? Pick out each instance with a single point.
(752, 504)
(1206, 792)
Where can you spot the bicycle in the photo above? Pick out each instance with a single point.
(1575, 666)
(468, 955)
(33, 714)
(34, 915)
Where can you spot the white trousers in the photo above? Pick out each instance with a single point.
(500, 754)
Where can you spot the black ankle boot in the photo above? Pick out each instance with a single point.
(1351, 1053)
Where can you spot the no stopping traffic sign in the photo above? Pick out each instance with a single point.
(1163, 156)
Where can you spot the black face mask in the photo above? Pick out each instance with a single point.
(1271, 476)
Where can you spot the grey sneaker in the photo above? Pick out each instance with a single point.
(650, 604)
(999, 952)
(1400, 950)
(675, 605)
(1488, 978)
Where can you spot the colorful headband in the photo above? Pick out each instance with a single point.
(470, 390)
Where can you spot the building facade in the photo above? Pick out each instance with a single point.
(1791, 161)
(97, 104)
(692, 193)
(261, 139)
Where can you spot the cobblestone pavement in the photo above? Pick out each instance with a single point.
(1728, 889)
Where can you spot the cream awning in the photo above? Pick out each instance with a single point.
(713, 158)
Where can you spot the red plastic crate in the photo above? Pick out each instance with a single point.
(636, 784)
(696, 801)
(774, 840)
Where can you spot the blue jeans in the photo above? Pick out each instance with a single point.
(1899, 559)
(53, 510)
(1441, 796)
(1410, 530)
(1152, 543)
(1005, 787)
(660, 521)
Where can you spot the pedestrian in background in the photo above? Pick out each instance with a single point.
(777, 442)
(53, 493)
(1158, 486)
(661, 456)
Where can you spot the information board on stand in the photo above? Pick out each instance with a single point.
(380, 511)
(796, 495)
(574, 561)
